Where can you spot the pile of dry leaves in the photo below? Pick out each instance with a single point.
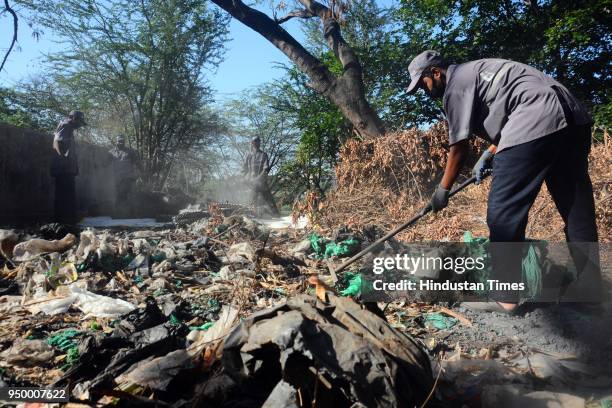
(386, 181)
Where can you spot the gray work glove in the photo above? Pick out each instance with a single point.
(439, 199)
(483, 164)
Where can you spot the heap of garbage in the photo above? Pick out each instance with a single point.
(226, 311)
(194, 314)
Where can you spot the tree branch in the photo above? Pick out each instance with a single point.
(295, 13)
(320, 76)
(335, 41)
(347, 91)
(316, 8)
(8, 8)
(346, 55)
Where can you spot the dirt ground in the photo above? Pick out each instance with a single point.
(553, 348)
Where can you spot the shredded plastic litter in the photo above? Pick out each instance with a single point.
(324, 248)
(204, 326)
(65, 342)
(439, 321)
(532, 273)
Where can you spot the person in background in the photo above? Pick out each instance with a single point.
(256, 168)
(64, 168)
(126, 170)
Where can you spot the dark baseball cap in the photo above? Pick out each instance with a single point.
(421, 62)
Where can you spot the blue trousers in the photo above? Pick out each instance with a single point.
(561, 161)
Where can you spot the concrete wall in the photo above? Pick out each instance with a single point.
(27, 188)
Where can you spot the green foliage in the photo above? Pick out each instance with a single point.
(602, 115)
(322, 130)
(16, 110)
(137, 68)
(569, 40)
(373, 34)
(369, 31)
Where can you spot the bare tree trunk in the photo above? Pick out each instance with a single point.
(347, 91)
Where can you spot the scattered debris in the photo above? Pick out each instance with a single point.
(28, 352)
(226, 311)
(339, 354)
(28, 250)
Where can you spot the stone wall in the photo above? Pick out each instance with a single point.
(27, 188)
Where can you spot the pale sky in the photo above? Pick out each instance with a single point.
(249, 60)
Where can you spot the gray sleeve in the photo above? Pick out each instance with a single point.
(267, 166)
(245, 165)
(459, 108)
(62, 132)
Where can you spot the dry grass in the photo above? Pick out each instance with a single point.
(384, 182)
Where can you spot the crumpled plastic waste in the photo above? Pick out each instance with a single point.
(532, 273)
(8, 240)
(241, 252)
(200, 338)
(146, 310)
(28, 250)
(91, 304)
(355, 284)
(439, 321)
(157, 373)
(61, 273)
(25, 352)
(350, 353)
(324, 248)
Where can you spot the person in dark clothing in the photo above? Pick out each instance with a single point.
(538, 131)
(64, 168)
(126, 171)
(256, 168)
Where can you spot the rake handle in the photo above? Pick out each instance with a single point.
(394, 232)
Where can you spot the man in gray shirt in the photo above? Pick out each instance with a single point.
(126, 172)
(538, 133)
(64, 167)
(256, 168)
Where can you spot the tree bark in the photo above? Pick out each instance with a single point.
(346, 91)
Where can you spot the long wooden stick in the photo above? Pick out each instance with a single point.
(393, 233)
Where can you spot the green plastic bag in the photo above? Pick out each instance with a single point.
(356, 285)
(532, 273)
(324, 248)
(439, 321)
(344, 248)
(204, 326)
(65, 342)
(318, 244)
